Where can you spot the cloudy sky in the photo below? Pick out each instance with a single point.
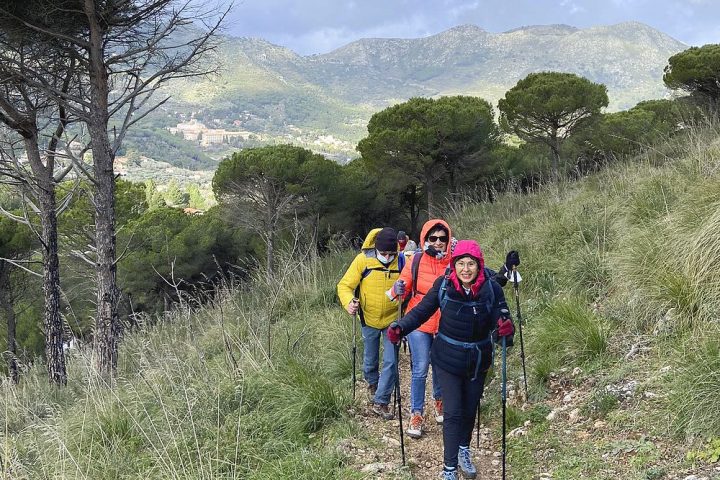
(318, 26)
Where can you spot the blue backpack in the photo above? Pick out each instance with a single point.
(488, 304)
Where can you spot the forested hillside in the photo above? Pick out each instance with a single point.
(620, 296)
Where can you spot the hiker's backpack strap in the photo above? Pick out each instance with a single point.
(442, 293)
(414, 271)
(489, 275)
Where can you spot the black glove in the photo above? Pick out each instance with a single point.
(430, 250)
(500, 277)
(512, 259)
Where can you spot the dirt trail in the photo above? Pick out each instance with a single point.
(423, 456)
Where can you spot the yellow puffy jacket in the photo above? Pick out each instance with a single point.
(376, 309)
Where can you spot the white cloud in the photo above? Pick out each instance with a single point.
(314, 26)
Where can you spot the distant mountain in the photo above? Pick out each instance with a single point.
(324, 101)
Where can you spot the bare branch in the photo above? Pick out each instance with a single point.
(17, 264)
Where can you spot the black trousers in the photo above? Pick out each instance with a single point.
(460, 401)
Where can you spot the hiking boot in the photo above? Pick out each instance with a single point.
(465, 461)
(439, 411)
(449, 475)
(372, 389)
(383, 411)
(416, 426)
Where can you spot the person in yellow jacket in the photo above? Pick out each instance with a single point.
(362, 291)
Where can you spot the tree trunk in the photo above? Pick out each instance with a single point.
(107, 320)
(430, 199)
(555, 147)
(52, 322)
(414, 207)
(105, 341)
(6, 305)
(270, 254)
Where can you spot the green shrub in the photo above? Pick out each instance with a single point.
(601, 403)
(694, 396)
(567, 333)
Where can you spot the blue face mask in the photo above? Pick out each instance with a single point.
(383, 259)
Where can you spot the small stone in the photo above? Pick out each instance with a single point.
(495, 463)
(392, 442)
(567, 398)
(374, 468)
(665, 369)
(497, 454)
(574, 415)
(527, 423)
(576, 371)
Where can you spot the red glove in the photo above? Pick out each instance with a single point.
(505, 327)
(394, 333)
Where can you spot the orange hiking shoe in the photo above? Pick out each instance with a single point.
(415, 429)
(439, 410)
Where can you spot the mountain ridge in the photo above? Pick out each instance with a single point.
(282, 96)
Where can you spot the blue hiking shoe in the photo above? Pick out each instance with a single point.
(466, 465)
(449, 475)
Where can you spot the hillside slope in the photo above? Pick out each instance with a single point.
(621, 295)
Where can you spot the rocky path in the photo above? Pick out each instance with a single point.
(423, 456)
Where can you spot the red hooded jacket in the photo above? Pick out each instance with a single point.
(429, 269)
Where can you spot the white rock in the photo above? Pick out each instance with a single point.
(567, 398)
(495, 463)
(554, 414)
(576, 371)
(393, 442)
(374, 468)
(574, 415)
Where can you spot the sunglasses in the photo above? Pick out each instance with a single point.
(435, 238)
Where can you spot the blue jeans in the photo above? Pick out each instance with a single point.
(420, 343)
(385, 380)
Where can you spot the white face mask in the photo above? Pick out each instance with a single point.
(384, 259)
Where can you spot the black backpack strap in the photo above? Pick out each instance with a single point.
(414, 271)
(489, 276)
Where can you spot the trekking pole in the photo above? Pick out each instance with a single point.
(477, 432)
(397, 392)
(354, 350)
(519, 322)
(504, 401)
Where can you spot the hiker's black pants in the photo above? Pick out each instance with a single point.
(460, 400)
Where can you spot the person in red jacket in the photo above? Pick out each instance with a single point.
(415, 281)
